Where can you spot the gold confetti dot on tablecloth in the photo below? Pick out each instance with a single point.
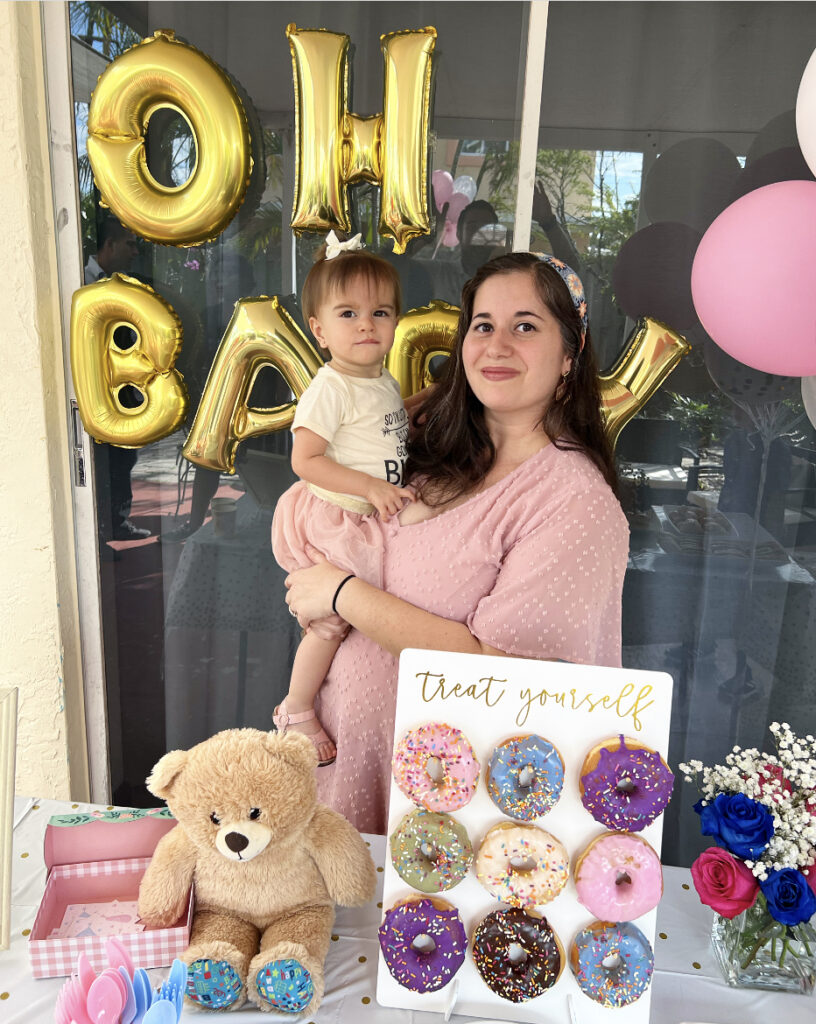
(663, 935)
(335, 938)
(4, 995)
(685, 885)
(36, 807)
(695, 965)
(380, 905)
(23, 855)
(74, 806)
(365, 1000)
(368, 843)
(109, 807)
(26, 931)
(379, 869)
(361, 959)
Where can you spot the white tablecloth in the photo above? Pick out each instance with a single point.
(687, 983)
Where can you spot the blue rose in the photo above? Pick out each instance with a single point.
(737, 823)
(789, 897)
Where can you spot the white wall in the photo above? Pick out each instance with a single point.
(39, 636)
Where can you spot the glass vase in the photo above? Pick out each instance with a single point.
(755, 951)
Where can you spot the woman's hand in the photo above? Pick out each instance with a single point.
(310, 591)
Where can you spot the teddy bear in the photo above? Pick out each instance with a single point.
(268, 864)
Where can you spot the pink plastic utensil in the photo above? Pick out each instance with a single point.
(75, 1002)
(105, 1001)
(87, 975)
(118, 956)
(114, 975)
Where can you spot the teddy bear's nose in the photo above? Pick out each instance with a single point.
(236, 842)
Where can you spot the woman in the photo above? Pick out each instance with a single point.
(516, 544)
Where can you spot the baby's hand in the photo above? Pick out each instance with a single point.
(387, 498)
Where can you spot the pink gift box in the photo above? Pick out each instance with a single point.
(121, 844)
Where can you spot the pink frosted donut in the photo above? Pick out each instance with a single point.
(454, 781)
(618, 877)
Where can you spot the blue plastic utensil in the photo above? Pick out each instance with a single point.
(129, 1009)
(142, 993)
(161, 1012)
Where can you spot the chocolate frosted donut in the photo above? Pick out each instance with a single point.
(541, 959)
(423, 943)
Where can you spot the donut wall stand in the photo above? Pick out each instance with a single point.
(491, 700)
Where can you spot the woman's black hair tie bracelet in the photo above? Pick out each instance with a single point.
(340, 586)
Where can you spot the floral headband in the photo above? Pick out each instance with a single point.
(576, 289)
(334, 246)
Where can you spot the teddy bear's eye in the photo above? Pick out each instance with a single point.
(215, 819)
(255, 813)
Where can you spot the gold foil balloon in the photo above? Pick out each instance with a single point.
(261, 333)
(651, 353)
(162, 72)
(101, 369)
(336, 148)
(421, 334)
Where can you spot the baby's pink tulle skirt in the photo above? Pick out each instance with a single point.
(350, 541)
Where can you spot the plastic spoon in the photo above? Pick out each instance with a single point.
(105, 1001)
(129, 1009)
(161, 1012)
(143, 993)
(75, 1002)
(118, 956)
(87, 975)
(118, 980)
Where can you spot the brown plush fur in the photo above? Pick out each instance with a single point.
(305, 858)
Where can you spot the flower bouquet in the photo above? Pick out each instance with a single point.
(760, 878)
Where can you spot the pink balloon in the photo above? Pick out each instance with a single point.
(457, 203)
(752, 279)
(442, 188)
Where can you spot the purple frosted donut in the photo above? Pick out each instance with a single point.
(423, 969)
(625, 785)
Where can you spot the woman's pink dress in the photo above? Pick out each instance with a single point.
(534, 565)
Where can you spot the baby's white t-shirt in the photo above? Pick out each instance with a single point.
(362, 418)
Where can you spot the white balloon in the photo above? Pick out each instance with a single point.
(809, 398)
(466, 185)
(806, 113)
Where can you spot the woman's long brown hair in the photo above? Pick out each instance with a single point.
(450, 451)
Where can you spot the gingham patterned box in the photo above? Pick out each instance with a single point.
(90, 881)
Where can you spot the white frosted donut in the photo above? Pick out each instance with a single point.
(522, 865)
(454, 754)
(618, 877)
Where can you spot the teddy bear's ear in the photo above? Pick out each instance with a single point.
(165, 771)
(294, 747)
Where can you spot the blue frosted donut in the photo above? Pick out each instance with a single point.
(417, 968)
(525, 777)
(621, 982)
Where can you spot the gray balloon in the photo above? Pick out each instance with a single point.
(691, 182)
(652, 274)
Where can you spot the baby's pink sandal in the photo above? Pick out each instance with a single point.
(282, 719)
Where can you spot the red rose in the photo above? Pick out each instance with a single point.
(723, 883)
(777, 781)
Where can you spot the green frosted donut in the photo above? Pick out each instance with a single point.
(430, 851)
